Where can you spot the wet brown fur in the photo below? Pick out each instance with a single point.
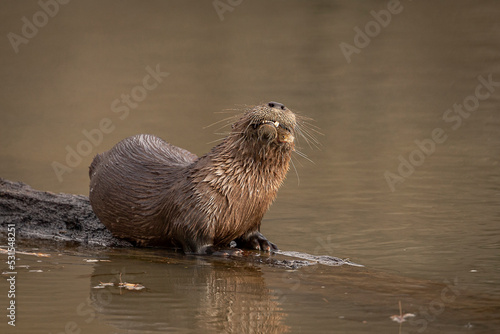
(155, 194)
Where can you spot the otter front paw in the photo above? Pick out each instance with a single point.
(255, 240)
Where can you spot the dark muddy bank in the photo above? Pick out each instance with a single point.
(45, 215)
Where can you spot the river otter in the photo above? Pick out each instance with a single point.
(152, 193)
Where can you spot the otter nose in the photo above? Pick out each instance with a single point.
(277, 105)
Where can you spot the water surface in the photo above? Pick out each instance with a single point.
(423, 241)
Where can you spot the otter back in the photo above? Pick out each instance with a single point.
(127, 183)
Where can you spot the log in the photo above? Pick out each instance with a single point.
(50, 216)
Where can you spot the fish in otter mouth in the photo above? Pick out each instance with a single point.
(152, 193)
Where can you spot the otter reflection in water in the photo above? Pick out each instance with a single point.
(195, 294)
(152, 193)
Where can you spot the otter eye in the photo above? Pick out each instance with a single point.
(271, 104)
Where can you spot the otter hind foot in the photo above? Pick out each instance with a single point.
(256, 240)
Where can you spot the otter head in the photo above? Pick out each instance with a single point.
(270, 124)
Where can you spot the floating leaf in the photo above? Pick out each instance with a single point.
(131, 286)
(103, 285)
(401, 317)
(4, 251)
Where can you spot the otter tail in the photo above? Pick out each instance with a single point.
(97, 160)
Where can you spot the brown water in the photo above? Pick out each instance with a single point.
(431, 241)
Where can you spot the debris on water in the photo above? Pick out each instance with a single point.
(106, 284)
(5, 251)
(321, 259)
(128, 286)
(103, 285)
(131, 286)
(401, 317)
